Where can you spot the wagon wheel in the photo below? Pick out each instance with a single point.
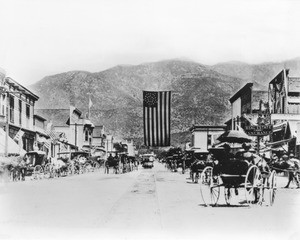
(15, 174)
(96, 166)
(38, 172)
(272, 187)
(228, 194)
(209, 187)
(87, 167)
(71, 169)
(253, 184)
(48, 170)
(83, 168)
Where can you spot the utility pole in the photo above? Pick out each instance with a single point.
(76, 135)
(7, 124)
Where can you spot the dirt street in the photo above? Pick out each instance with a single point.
(144, 204)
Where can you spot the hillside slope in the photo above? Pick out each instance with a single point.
(200, 95)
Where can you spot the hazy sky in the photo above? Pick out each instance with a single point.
(45, 37)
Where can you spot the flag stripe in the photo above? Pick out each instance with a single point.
(165, 116)
(169, 114)
(162, 119)
(157, 126)
(148, 126)
(144, 120)
(153, 126)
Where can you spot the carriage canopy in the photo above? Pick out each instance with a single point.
(36, 157)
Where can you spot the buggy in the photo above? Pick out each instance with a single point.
(237, 176)
(147, 160)
(36, 164)
(76, 161)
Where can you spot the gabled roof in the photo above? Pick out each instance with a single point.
(240, 92)
(21, 88)
(280, 76)
(39, 117)
(57, 116)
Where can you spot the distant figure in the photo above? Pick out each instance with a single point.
(292, 163)
(110, 157)
(22, 165)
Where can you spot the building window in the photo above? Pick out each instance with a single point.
(12, 109)
(208, 139)
(2, 110)
(193, 140)
(86, 135)
(27, 111)
(20, 112)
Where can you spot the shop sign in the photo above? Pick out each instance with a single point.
(259, 130)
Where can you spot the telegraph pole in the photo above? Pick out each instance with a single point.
(76, 135)
(7, 124)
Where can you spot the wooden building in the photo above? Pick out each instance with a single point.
(204, 136)
(17, 112)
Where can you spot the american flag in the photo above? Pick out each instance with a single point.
(47, 144)
(157, 114)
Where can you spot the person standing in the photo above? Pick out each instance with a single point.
(293, 169)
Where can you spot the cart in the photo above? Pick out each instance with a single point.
(236, 176)
(75, 161)
(198, 165)
(147, 160)
(36, 165)
(248, 179)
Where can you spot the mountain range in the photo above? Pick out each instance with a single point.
(200, 93)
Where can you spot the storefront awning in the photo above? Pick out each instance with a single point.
(279, 142)
(12, 147)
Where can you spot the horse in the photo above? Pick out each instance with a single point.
(187, 160)
(197, 167)
(291, 166)
(59, 166)
(112, 163)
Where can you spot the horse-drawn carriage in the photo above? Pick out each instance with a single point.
(187, 159)
(73, 163)
(37, 165)
(200, 161)
(174, 159)
(234, 176)
(114, 163)
(147, 160)
(237, 176)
